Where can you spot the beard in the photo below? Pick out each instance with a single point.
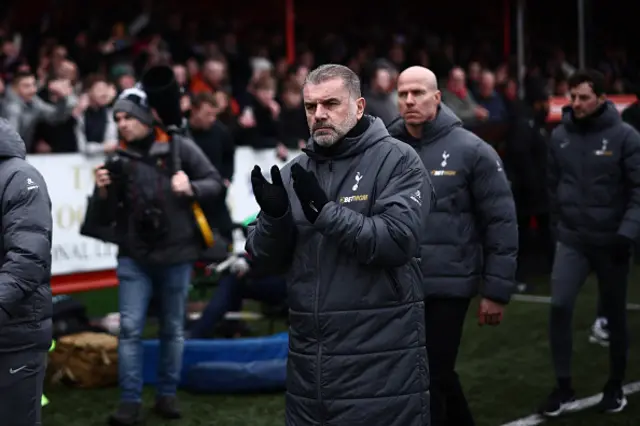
(327, 135)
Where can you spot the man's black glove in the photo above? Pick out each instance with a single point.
(311, 195)
(271, 197)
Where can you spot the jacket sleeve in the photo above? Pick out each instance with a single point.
(630, 226)
(496, 216)
(205, 179)
(271, 242)
(391, 236)
(26, 236)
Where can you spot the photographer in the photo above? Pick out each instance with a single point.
(149, 209)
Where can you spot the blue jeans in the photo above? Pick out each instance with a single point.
(228, 298)
(138, 281)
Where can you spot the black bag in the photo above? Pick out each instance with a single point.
(93, 225)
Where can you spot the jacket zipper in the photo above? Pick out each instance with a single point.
(316, 312)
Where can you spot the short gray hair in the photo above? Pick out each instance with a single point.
(331, 71)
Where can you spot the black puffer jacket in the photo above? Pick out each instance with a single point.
(146, 184)
(357, 352)
(471, 236)
(25, 247)
(594, 178)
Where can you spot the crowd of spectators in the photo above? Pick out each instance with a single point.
(58, 92)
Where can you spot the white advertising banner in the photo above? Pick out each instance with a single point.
(70, 181)
(240, 198)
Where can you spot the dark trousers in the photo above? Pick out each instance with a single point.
(444, 321)
(228, 298)
(570, 269)
(21, 381)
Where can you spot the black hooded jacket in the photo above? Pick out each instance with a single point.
(471, 240)
(357, 353)
(594, 178)
(25, 247)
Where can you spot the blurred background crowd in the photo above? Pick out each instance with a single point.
(63, 62)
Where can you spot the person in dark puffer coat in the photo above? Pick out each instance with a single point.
(594, 192)
(471, 239)
(343, 222)
(25, 292)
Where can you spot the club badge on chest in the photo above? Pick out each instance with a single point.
(444, 163)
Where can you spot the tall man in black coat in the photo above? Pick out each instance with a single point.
(470, 241)
(594, 192)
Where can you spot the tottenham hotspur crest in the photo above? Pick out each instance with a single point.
(358, 177)
(445, 155)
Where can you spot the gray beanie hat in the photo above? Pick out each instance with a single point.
(134, 102)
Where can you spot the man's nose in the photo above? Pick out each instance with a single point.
(321, 112)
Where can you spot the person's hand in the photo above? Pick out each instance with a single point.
(271, 197)
(109, 146)
(102, 180)
(42, 147)
(247, 119)
(490, 312)
(302, 144)
(185, 103)
(481, 113)
(181, 185)
(282, 152)
(311, 195)
(274, 107)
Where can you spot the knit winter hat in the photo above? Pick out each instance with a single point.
(134, 102)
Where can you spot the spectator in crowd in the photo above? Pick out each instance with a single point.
(59, 136)
(157, 245)
(490, 99)
(25, 292)
(215, 140)
(473, 195)
(96, 131)
(306, 230)
(457, 97)
(594, 190)
(295, 132)
(24, 109)
(260, 122)
(474, 75)
(380, 100)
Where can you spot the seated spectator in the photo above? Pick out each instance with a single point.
(232, 289)
(490, 99)
(96, 131)
(457, 97)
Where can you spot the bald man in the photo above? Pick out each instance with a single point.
(471, 240)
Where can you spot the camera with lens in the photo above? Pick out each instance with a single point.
(116, 165)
